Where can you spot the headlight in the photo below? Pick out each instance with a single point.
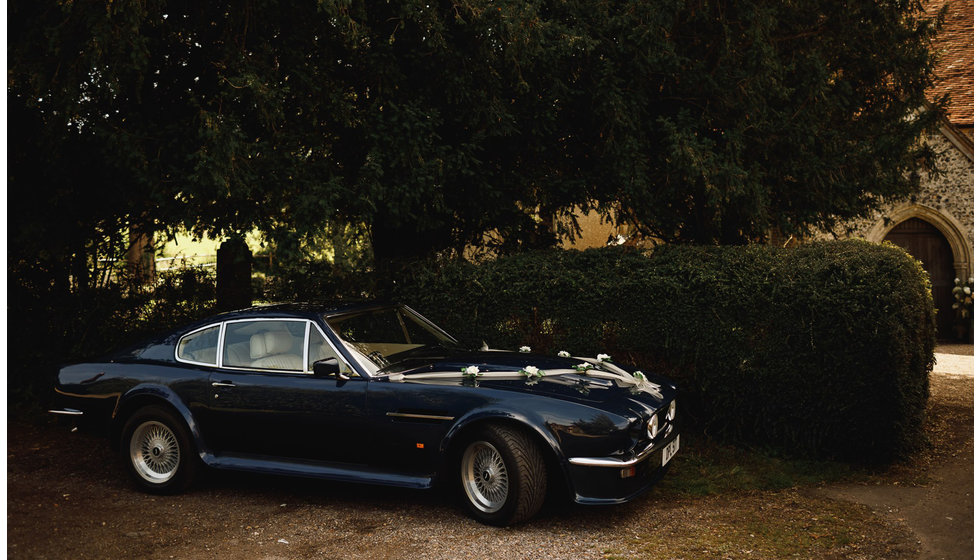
(672, 410)
(652, 426)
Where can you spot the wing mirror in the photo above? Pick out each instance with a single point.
(328, 367)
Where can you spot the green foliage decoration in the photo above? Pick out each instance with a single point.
(822, 350)
(963, 294)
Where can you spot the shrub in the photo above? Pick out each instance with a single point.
(315, 281)
(50, 328)
(822, 350)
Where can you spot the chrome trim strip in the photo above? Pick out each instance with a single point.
(67, 412)
(306, 348)
(221, 345)
(612, 461)
(419, 416)
(266, 370)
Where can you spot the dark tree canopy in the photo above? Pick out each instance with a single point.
(439, 125)
(732, 119)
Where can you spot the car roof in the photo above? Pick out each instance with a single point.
(311, 311)
(300, 309)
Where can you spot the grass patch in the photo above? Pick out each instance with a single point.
(777, 525)
(722, 501)
(705, 467)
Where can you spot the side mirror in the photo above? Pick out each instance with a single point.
(327, 367)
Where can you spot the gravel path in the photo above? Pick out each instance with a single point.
(940, 511)
(68, 497)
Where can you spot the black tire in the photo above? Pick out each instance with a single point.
(158, 451)
(502, 475)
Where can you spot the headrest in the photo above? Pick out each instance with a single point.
(268, 343)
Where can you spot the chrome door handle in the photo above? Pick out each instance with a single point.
(222, 384)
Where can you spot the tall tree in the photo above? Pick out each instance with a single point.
(437, 125)
(723, 121)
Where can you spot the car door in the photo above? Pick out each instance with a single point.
(266, 401)
(409, 421)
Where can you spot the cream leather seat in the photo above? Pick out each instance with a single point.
(237, 355)
(272, 350)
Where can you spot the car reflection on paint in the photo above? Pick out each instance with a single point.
(375, 393)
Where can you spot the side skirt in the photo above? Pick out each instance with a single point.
(343, 472)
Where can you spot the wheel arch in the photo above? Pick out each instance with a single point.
(462, 432)
(145, 395)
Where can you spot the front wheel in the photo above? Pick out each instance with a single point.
(503, 476)
(158, 452)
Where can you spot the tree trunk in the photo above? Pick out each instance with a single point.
(140, 257)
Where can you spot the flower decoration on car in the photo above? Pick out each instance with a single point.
(532, 374)
(639, 375)
(603, 357)
(563, 354)
(583, 367)
(471, 372)
(525, 349)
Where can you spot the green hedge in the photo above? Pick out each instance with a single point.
(823, 350)
(50, 329)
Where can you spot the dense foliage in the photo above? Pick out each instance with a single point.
(437, 125)
(421, 127)
(47, 332)
(824, 349)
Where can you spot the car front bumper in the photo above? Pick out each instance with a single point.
(614, 480)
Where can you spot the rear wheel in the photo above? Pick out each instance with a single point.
(503, 476)
(158, 452)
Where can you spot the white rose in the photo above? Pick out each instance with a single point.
(603, 357)
(525, 349)
(473, 370)
(531, 370)
(564, 354)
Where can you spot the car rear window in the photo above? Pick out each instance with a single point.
(200, 346)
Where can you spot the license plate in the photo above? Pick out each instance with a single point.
(670, 450)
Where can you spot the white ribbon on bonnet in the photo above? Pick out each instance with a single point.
(598, 370)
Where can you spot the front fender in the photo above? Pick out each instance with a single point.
(535, 424)
(474, 417)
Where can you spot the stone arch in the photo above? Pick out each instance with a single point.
(949, 226)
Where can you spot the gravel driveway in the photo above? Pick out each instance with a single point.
(68, 497)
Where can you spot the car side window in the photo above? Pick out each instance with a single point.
(273, 345)
(200, 346)
(320, 349)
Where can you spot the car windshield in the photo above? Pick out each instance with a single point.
(387, 335)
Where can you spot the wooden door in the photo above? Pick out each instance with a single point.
(924, 242)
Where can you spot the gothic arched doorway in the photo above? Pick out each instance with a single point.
(927, 244)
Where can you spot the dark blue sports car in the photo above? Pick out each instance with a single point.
(376, 393)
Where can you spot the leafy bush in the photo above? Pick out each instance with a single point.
(316, 281)
(821, 350)
(50, 328)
